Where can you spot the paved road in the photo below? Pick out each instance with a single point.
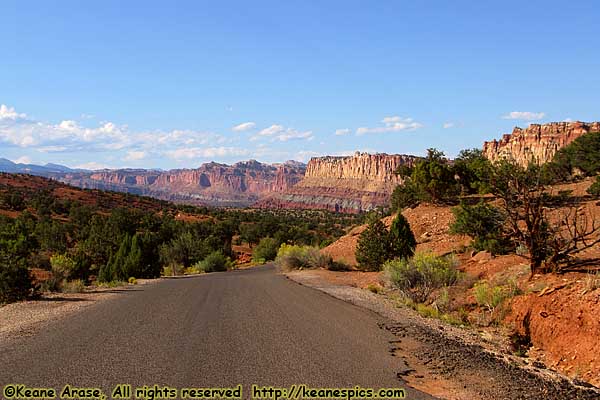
(242, 327)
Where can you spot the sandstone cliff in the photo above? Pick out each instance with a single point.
(347, 184)
(241, 184)
(537, 143)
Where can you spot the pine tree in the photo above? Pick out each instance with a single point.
(132, 267)
(402, 242)
(373, 246)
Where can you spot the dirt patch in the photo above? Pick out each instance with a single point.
(563, 323)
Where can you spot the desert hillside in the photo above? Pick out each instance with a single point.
(558, 312)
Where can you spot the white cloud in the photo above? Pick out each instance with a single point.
(7, 112)
(135, 155)
(23, 160)
(243, 127)
(391, 124)
(342, 132)
(305, 155)
(283, 134)
(448, 125)
(524, 115)
(568, 120)
(272, 130)
(93, 166)
(205, 152)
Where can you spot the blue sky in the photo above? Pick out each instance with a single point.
(164, 84)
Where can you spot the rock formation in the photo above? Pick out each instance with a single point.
(537, 143)
(241, 184)
(347, 184)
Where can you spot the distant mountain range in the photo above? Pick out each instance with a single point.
(239, 185)
(42, 170)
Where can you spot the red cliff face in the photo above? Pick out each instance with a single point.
(240, 184)
(347, 184)
(537, 143)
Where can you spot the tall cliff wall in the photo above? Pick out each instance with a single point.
(537, 143)
(347, 184)
(241, 184)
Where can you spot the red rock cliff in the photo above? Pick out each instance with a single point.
(537, 143)
(348, 184)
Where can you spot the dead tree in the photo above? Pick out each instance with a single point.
(525, 201)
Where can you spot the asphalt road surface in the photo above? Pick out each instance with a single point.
(224, 329)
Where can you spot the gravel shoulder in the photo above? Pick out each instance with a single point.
(25, 318)
(451, 362)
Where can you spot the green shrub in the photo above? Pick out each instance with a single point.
(63, 267)
(488, 296)
(372, 249)
(291, 257)
(172, 270)
(339, 266)
(404, 196)
(420, 275)
(265, 250)
(402, 242)
(581, 156)
(215, 262)
(193, 270)
(374, 288)
(15, 282)
(484, 223)
(74, 286)
(132, 281)
(594, 189)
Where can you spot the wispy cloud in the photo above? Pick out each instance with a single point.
(23, 160)
(391, 124)
(205, 152)
(524, 115)
(93, 166)
(7, 112)
(448, 125)
(283, 134)
(342, 132)
(243, 127)
(134, 155)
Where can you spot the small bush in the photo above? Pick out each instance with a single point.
(15, 282)
(193, 270)
(488, 296)
(404, 196)
(374, 288)
(338, 266)
(265, 250)
(484, 223)
(172, 270)
(592, 282)
(132, 281)
(420, 275)
(215, 262)
(373, 247)
(402, 241)
(291, 257)
(74, 286)
(594, 190)
(62, 266)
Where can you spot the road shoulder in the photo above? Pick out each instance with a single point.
(451, 362)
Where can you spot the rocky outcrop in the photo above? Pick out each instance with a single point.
(241, 184)
(537, 143)
(344, 184)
